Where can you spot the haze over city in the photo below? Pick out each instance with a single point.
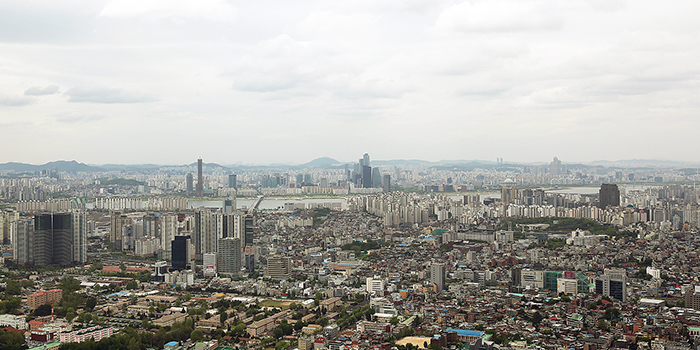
(168, 82)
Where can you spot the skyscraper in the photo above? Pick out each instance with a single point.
(200, 179)
(205, 229)
(609, 195)
(180, 252)
(151, 225)
(376, 178)
(508, 194)
(366, 176)
(22, 237)
(190, 184)
(168, 232)
(229, 256)
(555, 167)
(437, 276)
(365, 159)
(117, 223)
(386, 183)
(232, 181)
(59, 238)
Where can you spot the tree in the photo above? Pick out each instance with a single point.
(132, 285)
(417, 322)
(223, 317)
(536, 318)
(69, 285)
(43, 310)
(13, 288)
(122, 267)
(90, 303)
(11, 340)
(84, 317)
(70, 314)
(611, 313)
(197, 335)
(394, 320)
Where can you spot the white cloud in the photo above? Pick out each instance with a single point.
(38, 91)
(106, 95)
(213, 10)
(498, 16)
(16, 101)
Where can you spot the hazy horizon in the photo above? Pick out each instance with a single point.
(505, 162)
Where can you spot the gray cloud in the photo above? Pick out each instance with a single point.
(106, 95)
(38, 91)
(16, 101)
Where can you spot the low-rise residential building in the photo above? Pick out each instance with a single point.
(44, 297)
(169, 320)
(79, 335)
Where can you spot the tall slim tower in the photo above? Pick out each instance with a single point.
(366, 176)
(168, 232)
(365, 159)
(180, 252)
(189, 179)
(232, 181)
(200, 179)
(386, 183)
(437, 276)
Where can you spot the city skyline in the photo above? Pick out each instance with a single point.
(135, 82)
(324, 162)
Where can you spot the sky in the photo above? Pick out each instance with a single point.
(256, 82)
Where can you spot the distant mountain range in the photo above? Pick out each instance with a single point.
(61, 165)
(330, 163)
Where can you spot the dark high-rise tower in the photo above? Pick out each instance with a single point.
(232, 181)
(180, 252)
(200, 179)
(248, 233)
(60, 238)
(609, 195)
(366, 176)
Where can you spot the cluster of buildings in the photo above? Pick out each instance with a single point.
(380, 266)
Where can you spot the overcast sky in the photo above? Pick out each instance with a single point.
(166, 82)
